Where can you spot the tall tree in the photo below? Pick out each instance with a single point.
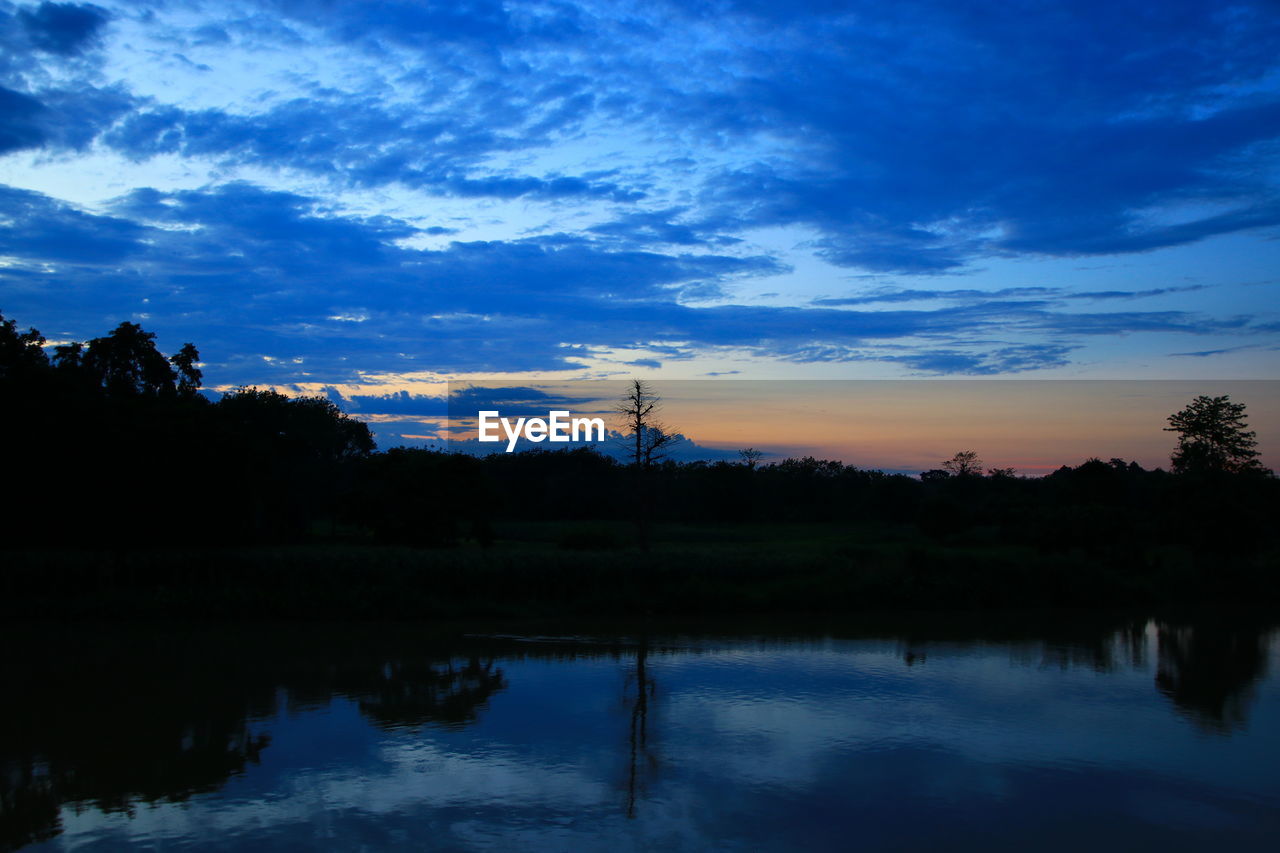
(126, 363)
(21, 353)
(647, 437)
(189, 375)
(1213, 436)
(649, 441)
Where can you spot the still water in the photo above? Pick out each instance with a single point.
(1112, 733)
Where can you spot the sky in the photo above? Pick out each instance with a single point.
(904, 426)
(368, 199)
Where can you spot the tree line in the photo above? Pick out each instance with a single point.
(110, 444)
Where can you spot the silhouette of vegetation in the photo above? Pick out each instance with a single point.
(1212, 437)
(649, 440)
(127, 453)
(964, 464)
(139, 495)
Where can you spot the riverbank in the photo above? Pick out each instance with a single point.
(549, 570)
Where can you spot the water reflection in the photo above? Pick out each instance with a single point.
(642, 762)
(332, 737)
(418, 692)
(1211, 671)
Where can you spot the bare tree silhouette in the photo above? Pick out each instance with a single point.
(648, 438)
(649, 441)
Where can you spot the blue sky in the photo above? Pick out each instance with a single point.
(377, 196)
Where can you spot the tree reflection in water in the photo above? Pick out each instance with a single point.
(414, 693)
(112, 720)
(638, 690)
(1211, 671)
(143, 721)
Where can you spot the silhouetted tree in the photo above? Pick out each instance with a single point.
(649, 441)
(189, 376)
(648, 437)
(126, 363)
(313, 427)
(21, 353)
(964, 464)
(1212, 436)
(750, 456)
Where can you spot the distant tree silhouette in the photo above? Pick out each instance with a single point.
(750, 456)
(189, 376)
(21, 353)
(648, 437)
(649, 440)
(126, 363)
(310, 427)
(964, 464)
(1212, 436)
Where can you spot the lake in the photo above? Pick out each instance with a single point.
(942, 731)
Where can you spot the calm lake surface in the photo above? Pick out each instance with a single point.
(1114, 733)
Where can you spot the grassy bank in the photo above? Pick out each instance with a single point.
(540, 570)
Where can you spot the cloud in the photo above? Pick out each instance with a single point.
(62, 28)
(51, 92)
(890, 294)
(398, 403)
(58, 118)
(1010, 359)
(910, 138)
(465, 400)
(610, 176)
(273, 287)
(484, 24)
(1026, 295)
(42, 230)
(660, 228)
(988, 137)
(1208, 353)
(360, 141)
(21, 128)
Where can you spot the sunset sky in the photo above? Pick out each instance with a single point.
(367, 199)
(903, 426)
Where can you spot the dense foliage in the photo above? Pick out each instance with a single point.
(110, 445)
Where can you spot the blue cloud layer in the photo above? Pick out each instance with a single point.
(62, 28)
(912, 138)
(253, 273)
